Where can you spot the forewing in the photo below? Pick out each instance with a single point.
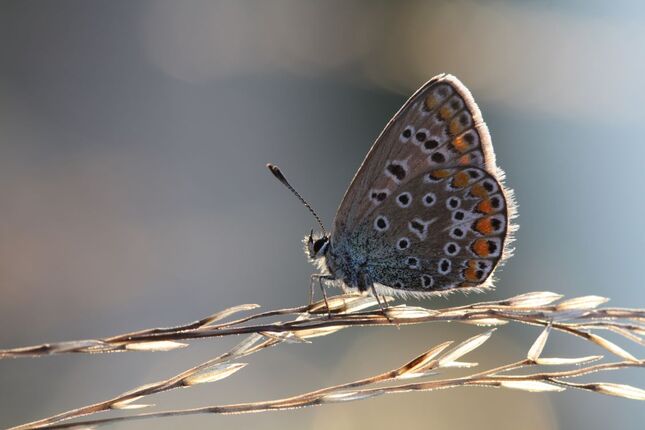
(440, 126)
(442, 230)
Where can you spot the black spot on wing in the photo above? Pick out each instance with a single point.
(396, 170)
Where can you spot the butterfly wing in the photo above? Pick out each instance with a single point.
(439, 126)
(442, 230)
(437, 148)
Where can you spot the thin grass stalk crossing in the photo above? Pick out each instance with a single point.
(580, 317)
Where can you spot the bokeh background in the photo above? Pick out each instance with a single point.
(133, 192)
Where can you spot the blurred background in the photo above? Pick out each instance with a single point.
(133, 138)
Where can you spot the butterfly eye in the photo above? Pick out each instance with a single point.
(320, 245)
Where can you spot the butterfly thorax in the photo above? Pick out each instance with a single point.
(345, 258)
(346, 265)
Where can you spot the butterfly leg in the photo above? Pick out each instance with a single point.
(311, 290)
(322, 288)
(378, 300)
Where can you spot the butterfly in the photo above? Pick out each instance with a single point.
(427, 212)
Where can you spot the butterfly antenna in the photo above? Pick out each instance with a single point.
(280, 177)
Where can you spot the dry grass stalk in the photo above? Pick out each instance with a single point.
(575, 317)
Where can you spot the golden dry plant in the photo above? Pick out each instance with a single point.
(581, 317)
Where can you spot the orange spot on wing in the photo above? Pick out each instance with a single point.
(480, 247)
(445, 112)
(460, 144)
(464, 160)
(455, 127)
(484, 226)
(442, 173)
(470, 274)
(460, 180)
(485, 207)
(479, 191)
(431, 102)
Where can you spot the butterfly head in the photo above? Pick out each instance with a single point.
(317, 245)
